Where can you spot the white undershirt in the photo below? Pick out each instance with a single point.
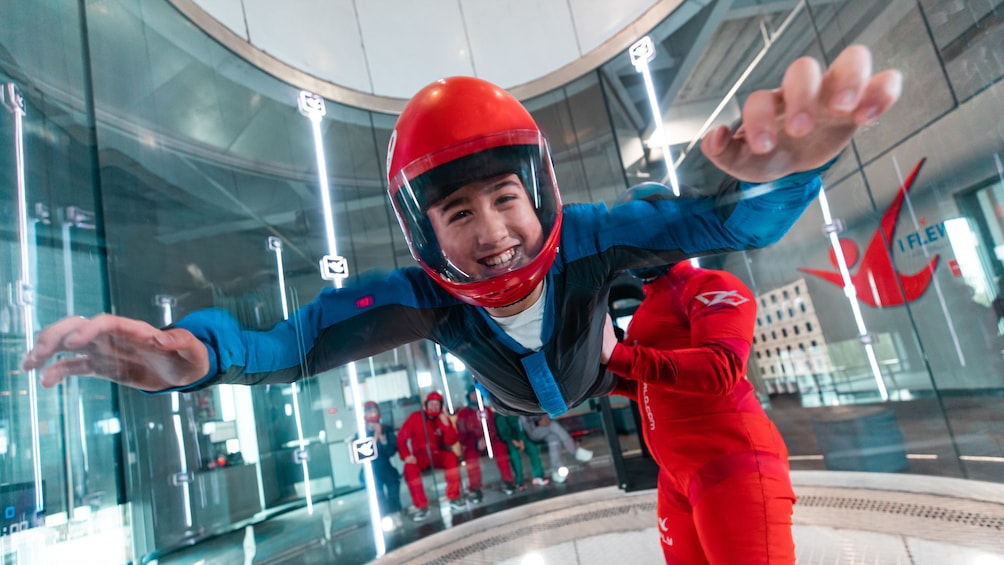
(525, 327)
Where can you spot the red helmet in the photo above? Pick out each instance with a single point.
(460, 130)
(371, 411)
(434, 395)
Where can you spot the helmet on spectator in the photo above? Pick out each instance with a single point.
(371, 411)
(437, 397)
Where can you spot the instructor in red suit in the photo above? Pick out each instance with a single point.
(725, 494)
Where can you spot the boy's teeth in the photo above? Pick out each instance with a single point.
(500, 258)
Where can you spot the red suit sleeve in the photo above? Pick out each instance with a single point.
(468, 427)
(626, 388)
(449, 433)
(493, 431)
(722, 315)
(402, 437)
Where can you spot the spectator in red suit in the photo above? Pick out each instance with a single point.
(425, 440)
(471, 424)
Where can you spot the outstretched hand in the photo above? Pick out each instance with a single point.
(122, 350)
(807, 121)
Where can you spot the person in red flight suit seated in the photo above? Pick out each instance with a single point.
(472, 440)
(724, 491)
(425, 440)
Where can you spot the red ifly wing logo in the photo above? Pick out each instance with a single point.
(877, 281)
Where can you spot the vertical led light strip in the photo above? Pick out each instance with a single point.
(312, 106)
(442, 373)
(183, 477)
(851, 293)
(25, 296)
(484, 423)
(642, 52)
(302, 449)
(275, 244)
(68, 265)
(70, 388)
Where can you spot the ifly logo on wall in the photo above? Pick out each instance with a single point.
(877, 281)
(926, 236)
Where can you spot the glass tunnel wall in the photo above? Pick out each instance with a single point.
(149, 172)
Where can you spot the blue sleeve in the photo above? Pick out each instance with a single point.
(375, 314)
(755, 215)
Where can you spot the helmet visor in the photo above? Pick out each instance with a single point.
(483, 214)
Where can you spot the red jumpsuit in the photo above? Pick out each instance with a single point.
(725, 494)
(471, 433)
(430, 444)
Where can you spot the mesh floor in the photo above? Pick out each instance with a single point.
(888, 519)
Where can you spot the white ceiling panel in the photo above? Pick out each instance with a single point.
(319, 37)
(598, 20)
(517, 41)
(392, 48)
(228, 13)
(410, 44)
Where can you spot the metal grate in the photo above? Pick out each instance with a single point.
(905, 509)
(843, 525)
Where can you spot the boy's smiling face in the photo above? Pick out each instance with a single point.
(488, 227)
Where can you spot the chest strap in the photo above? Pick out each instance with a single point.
(543, 383)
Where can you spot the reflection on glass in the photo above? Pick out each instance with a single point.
(188, 156)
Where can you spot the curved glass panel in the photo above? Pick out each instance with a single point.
(151, 173)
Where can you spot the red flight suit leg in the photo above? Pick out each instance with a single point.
(737, 507)
(501, 453)
(472, 457)
(413, 477)
(447, 460)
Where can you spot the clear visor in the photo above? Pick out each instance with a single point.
(482, 215)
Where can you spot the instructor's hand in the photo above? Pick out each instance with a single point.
(122, 350)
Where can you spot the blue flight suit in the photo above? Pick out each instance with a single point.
(382, 311)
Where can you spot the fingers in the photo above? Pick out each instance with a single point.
(805, 91)
(55, 373)
(715, 142)
(800, 90)
(807, 121)
(50, 341)
(846, 79)
(123, 329)
(760, 121)
(182, 342)
(758, 134)
(881, 93)
(101, 338)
